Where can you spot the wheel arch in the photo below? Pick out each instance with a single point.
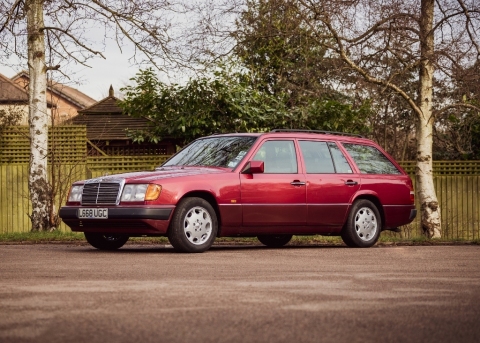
(376, 201)
(207, 196)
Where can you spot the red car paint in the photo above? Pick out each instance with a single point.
(250, 204)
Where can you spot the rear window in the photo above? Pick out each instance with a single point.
(370, 160)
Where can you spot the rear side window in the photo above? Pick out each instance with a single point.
(370, 160)
(317, 157)
(323, 158)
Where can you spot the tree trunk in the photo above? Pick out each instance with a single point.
(38, 116)
(430, 209)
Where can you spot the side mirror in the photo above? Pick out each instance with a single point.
(254, 167)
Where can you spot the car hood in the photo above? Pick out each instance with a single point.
(158, 174)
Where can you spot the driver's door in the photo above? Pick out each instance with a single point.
(276, 197)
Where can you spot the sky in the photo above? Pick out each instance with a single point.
(115, 70)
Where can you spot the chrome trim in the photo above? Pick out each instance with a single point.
(298, 183)
(275, 204)
(100, 180)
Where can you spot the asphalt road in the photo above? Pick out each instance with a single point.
(71, 293)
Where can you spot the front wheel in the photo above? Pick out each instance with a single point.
(105, 241)
(274, 241)
(363, 225)
(194, 226)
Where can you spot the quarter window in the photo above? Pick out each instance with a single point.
(341, 163)
(370, 160)
(279, 157)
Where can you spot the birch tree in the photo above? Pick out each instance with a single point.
(431, 38)
(53, 35)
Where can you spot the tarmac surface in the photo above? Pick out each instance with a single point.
(148, 293)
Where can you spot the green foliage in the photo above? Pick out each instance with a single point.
(458, 137)
(10, 116)
(277, 78)
(227, 102)
(203, 106)
(282, 54)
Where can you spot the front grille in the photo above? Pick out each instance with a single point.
(102, 193)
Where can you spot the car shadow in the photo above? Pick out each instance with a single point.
(168, 249)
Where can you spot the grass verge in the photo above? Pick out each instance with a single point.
(78, 237)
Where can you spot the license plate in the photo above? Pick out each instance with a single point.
(93, 213)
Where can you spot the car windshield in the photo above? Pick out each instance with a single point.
(225, 152)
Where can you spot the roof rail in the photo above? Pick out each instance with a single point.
(319, 132)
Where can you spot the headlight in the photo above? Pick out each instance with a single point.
(140, 192)
(75, 194)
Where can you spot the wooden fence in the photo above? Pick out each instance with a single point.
(457, 182)
(14, 200)
(459, 199)
(458, 195)
(66, 144)
(67, 155)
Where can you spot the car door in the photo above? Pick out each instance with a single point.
(331, 183)
(276, 197)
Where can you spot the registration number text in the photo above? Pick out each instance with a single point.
(94, 213)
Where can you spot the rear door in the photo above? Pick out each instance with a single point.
(331, 183)
(276, 197)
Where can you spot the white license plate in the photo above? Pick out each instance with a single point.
(93, 213)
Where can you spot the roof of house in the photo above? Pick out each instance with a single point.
(10, 92)
(105, 120)
(66, 92)
(109, 105)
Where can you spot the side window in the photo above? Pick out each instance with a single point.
(279, 157)
(317, 157)
(341, 163)
(370, 160)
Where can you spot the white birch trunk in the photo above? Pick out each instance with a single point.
(38, 116)
(430, 209)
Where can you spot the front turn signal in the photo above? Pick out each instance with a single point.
(153, 192)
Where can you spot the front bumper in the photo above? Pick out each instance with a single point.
(121, 220)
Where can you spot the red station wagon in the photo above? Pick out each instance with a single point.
(270, 185)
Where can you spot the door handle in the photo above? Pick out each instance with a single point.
(297, 183)
(351, 183)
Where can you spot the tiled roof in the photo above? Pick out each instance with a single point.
(72, 94)
(68, 93)
(109, 126)
(107, 105)
(10, 92)
(106, 121)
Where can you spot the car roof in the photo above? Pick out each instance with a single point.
(303, 134)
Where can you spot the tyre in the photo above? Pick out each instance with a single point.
(363, 225)
(274, 241)
(194, 226)
(105, 241)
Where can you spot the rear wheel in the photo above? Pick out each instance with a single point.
(274, 241)
(363, 225)
(194, 226)
(104, 241)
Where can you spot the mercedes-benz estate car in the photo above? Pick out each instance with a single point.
(268, 185)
